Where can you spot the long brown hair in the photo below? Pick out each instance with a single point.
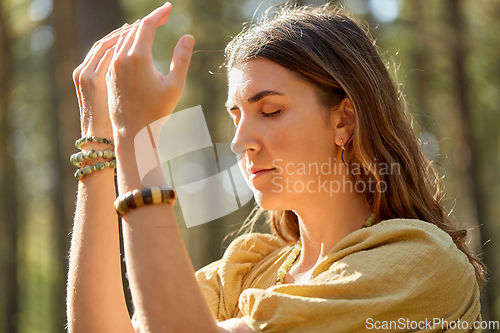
(323, 46)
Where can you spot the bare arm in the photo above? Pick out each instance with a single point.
(166, 294)
(162, 279)
(95, 298)
(163, 284)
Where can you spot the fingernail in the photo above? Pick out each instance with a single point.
(188, 41)
(166, 4)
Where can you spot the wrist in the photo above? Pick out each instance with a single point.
(128, 176)
(96, 155)
(127, 170)
(88, 146)
(100, 133)
(124, 146)
(98, 175)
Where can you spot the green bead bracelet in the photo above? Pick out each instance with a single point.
(85, 139)
(88, 169)
(78, 158)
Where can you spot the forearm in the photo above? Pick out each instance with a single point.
(95, 298)
(166, 294)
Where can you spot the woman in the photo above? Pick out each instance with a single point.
(360, 238)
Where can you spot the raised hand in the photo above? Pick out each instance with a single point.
(90, 84)
(137, 93)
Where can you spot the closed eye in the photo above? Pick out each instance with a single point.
(272, 114)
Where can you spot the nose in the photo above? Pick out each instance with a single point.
(238, 149)
(246, 138)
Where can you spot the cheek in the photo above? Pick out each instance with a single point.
(301, 141)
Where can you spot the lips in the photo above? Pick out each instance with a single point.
(255, 171)
(258, 172)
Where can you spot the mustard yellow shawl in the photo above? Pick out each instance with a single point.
(395, 276)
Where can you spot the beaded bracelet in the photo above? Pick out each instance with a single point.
(138, 198)
(78, 158)
(88, 169)
(85, 139)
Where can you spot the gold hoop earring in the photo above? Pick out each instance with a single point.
(343, 149)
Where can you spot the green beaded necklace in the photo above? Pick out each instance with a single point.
(296, 250)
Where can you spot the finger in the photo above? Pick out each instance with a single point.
(101, 47)
(109, 36)
(87, 59)
(106, 44)
(101, 50)
(124, 27)
(119, 30)
(119, 45)
(149, 24)
(129, 40)
(102, 68)
(180, 60)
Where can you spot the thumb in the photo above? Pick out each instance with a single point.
(180, 61)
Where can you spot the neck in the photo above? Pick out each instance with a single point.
(326, 221)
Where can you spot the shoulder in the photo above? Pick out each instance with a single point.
(424, 245)
(395, 269)
(254, 244)
(404, 253)
(417, 238)
(412, 240)
(222, 280)
(244, 252)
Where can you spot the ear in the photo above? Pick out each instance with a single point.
(343, 122)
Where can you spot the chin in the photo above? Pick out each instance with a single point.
(269, 201)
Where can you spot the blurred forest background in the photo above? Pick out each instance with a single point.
(446, 53)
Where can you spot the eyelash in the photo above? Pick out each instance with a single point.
(267, 115)
(272, 114)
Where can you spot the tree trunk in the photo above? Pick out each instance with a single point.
(78, 24)
(474, 167)
(421, 61)
(9, 219)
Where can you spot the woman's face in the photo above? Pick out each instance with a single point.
(280, 126)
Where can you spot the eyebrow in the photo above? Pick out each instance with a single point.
(255, 98)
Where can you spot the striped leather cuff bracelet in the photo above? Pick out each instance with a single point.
(147, 196)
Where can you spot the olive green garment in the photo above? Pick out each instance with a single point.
(391, 277)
